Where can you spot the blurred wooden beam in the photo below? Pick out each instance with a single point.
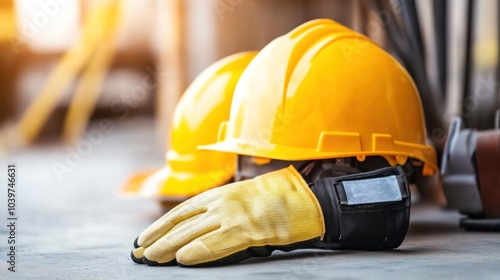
(250, 25)
(8, 59)
(171, 72)
(338, 10)
(43, 105)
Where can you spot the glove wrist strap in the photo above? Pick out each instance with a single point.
(369, 210)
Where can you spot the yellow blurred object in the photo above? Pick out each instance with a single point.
(7, 21)
(99, 27)
(325, 91)
(260, 214)
(89, 86)
(204, 105)
(134, 183)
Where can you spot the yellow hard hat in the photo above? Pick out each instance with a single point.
(204, 105)
(325, 91)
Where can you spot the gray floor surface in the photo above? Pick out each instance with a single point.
(76, 227)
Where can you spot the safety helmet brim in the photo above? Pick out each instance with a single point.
(280, 152)
(166, 185)
(134, 184)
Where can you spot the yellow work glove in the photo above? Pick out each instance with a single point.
(235, 222)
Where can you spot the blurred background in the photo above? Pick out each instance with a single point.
(72, 67)
(65, 63)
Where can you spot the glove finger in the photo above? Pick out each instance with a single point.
(137, 255)
(217, 247)
(184, 211)
(164, 249)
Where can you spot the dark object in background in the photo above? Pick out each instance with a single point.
(471, 180)
(440, 26)
(480, 224)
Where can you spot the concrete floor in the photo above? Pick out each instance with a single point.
(77, 228)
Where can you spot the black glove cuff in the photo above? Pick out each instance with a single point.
(362, 222)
